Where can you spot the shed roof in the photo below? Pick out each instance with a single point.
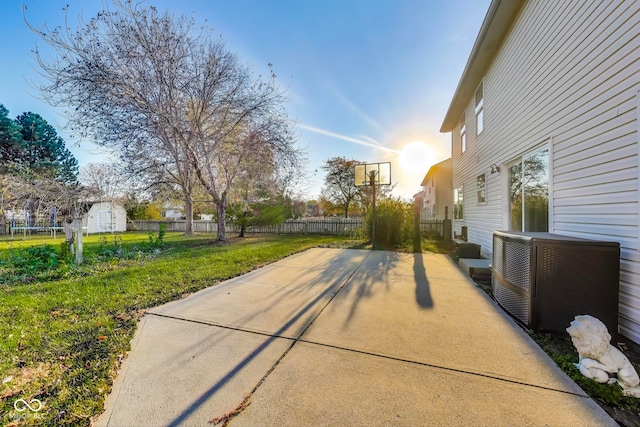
(495, 27)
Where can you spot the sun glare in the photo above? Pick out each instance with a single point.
(416, 157)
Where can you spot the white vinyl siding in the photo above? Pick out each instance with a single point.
(568, 71)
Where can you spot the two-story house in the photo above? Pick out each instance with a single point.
(436, 192)
(544, 127)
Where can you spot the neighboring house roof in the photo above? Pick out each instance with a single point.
(495, 27)
(172, 205)
(433, 169)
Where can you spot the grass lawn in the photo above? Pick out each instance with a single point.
(64, 329)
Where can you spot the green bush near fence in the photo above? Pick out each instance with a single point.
(394, 224)
(396, 229)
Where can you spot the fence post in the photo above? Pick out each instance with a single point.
(77, 228)
(446, 229)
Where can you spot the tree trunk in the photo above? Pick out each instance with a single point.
(188, 211)
(221, 210)
(243, 224)
(346, 210)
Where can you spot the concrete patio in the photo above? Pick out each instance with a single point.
(343, 337)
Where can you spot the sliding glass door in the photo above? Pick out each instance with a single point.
(529, 192)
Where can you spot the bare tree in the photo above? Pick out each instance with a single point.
(340, 187)
(169, 98)
(259, 142)
(103, 181)
(257, 196)
(121, 74)
(39, 195)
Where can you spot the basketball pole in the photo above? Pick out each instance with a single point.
(372, 182)
(372, 174)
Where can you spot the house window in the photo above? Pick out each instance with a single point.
(463, 134)
(529, 192)
(479, 109)
(458, 195)
(481, 189)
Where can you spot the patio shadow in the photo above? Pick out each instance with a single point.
(423, 291)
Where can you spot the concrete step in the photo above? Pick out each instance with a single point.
(476, 267)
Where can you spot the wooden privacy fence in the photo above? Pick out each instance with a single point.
(434, 227)
(172, 225)
(333, 226)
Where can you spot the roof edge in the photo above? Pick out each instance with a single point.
(441, 165)
(496, 25)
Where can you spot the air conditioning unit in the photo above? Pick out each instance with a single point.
(544, 280)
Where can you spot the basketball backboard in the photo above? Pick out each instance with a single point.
(380, 172)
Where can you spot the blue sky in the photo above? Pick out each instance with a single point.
(367, 78)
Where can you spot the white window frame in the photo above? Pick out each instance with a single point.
(481, 189)
(463, 134)
(458, 200)
(479, 110)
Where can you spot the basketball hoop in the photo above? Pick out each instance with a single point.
(373, 174)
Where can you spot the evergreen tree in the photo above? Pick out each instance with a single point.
(10, 140)
(43, 151)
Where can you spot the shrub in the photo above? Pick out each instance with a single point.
(394, 223)
(37, 258)
(25, 263)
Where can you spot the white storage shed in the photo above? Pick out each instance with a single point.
(105, 217)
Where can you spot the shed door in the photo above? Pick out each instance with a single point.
(104, 221)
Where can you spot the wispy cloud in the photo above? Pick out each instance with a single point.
(351, 106)
(366, 141)
(369, 139)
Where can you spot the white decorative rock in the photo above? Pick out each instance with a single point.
(598, 359)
